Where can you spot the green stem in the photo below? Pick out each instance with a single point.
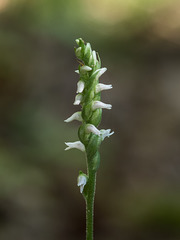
(90, 204)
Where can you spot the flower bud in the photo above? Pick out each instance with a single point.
(88, 50)
(81, 181)
(94, 58)
(85, 69)
(78, 52)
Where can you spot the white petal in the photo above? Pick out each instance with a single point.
(80, 87)
(99, 72)
(77, 71)
(85, 69)
(76, 116)
(78, 99)
(100, 87)
(106, 133)
(91, 128)
(99, 104)
(77, 145)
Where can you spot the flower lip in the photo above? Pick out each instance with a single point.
(101, 87)
(105, 133)
(99, 104)
(78, 145)
(75, 116)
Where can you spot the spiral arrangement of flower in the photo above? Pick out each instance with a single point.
(90, 137)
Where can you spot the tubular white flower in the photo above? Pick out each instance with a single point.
(80, 87)
(81, 182)
(99, 104)
(77, 71)
(92, 129)
(85, 68)
(100, 87)
(78, 99)
(78, 145)
(94, 57)
(76, 116)
(105, 133)
(99, 72)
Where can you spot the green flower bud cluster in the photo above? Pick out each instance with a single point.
(88, 96)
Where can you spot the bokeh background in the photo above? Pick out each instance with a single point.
(138, 185)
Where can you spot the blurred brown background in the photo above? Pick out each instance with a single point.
(138, 187)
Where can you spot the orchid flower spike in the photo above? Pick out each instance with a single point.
(89, 98)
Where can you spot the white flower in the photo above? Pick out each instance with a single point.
(91, 128)
(99, 104)
(78, 99)
(77, 71)
(76, 116)
(85, 68)
(105, 133)
(81, 182)
(99, 72)
(80, 87)
(100, 87)
(78, 145)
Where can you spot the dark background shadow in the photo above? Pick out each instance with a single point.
(138, 181)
